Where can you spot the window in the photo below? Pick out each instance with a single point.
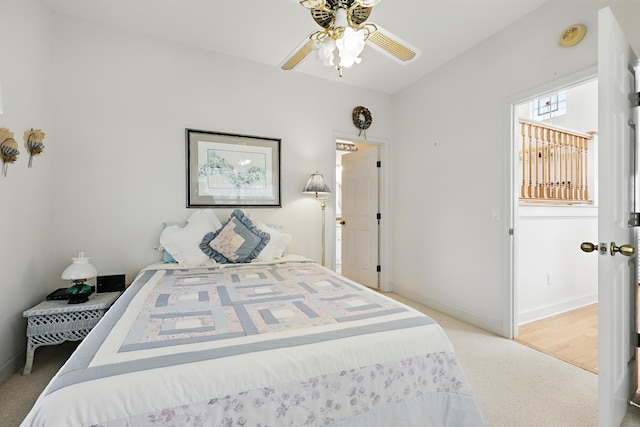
(549, 106)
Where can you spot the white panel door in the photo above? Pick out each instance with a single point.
(616, 273)
(360, 205)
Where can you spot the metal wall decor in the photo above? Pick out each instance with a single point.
(8, 149)
(33, 142)
(361, 119)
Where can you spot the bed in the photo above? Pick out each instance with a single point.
(285, 342)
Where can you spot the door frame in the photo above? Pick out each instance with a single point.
(385, 206)
(512, 189)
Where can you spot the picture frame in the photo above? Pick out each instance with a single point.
(230, 170)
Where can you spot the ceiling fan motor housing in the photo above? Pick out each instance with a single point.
(325, 15)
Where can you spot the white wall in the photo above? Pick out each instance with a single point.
(25, 193)
(451, 158)
(113, 169)
(548, 243)
(125, 101)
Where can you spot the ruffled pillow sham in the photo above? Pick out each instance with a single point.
(239, 241)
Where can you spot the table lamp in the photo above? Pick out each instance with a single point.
(79, 272)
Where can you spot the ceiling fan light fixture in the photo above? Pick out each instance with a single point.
(325, 49)
(341, 19)
(344, 34)
(350, 46)
(310, 4)
(367, 3)
(341, 45)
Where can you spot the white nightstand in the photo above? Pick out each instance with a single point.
(54, 322)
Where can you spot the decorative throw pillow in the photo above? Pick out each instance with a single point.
(277, 244)
(167, 258)
(238, 241)
(183, 243)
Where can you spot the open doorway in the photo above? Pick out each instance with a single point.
(358, 213)
(556, 293)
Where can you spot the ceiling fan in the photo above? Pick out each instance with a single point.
(344, 33)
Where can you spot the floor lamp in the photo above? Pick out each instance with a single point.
(316, 185)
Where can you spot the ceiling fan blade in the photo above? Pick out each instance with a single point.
(392, 46)
(298, 55)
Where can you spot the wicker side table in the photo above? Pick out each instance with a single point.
(54, 322)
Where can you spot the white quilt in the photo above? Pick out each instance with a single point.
(269, 344)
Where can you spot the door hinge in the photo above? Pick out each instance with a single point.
(378, 164)
(511, 232)
(378, 216)
(378, 269)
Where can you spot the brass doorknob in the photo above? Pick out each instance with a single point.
(588, 247)
(342, 222)
(626, 250)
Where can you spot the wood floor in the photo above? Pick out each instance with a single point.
(571, 336)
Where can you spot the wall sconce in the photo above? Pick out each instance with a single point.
(8, 149)
(33, 142)
(316, 185)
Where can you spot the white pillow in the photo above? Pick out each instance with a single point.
(277, 244)
(183, 243)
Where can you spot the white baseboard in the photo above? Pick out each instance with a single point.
(554, 308)
(485, 323)
(11, 366)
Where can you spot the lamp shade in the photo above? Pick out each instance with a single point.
(316, 185)
(80, 269)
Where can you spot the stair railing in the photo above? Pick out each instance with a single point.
(554, 164)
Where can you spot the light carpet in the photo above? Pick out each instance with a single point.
(515, 386)
(518, 386)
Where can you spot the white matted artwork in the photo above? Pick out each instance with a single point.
(225, 170)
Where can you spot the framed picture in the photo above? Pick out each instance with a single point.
(226, 170)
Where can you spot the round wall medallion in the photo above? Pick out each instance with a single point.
(572, 35)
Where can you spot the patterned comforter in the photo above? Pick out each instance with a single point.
(289, 343)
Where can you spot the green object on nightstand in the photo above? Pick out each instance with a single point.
(79, 292)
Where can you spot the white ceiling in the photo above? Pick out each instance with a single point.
(268, 31)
